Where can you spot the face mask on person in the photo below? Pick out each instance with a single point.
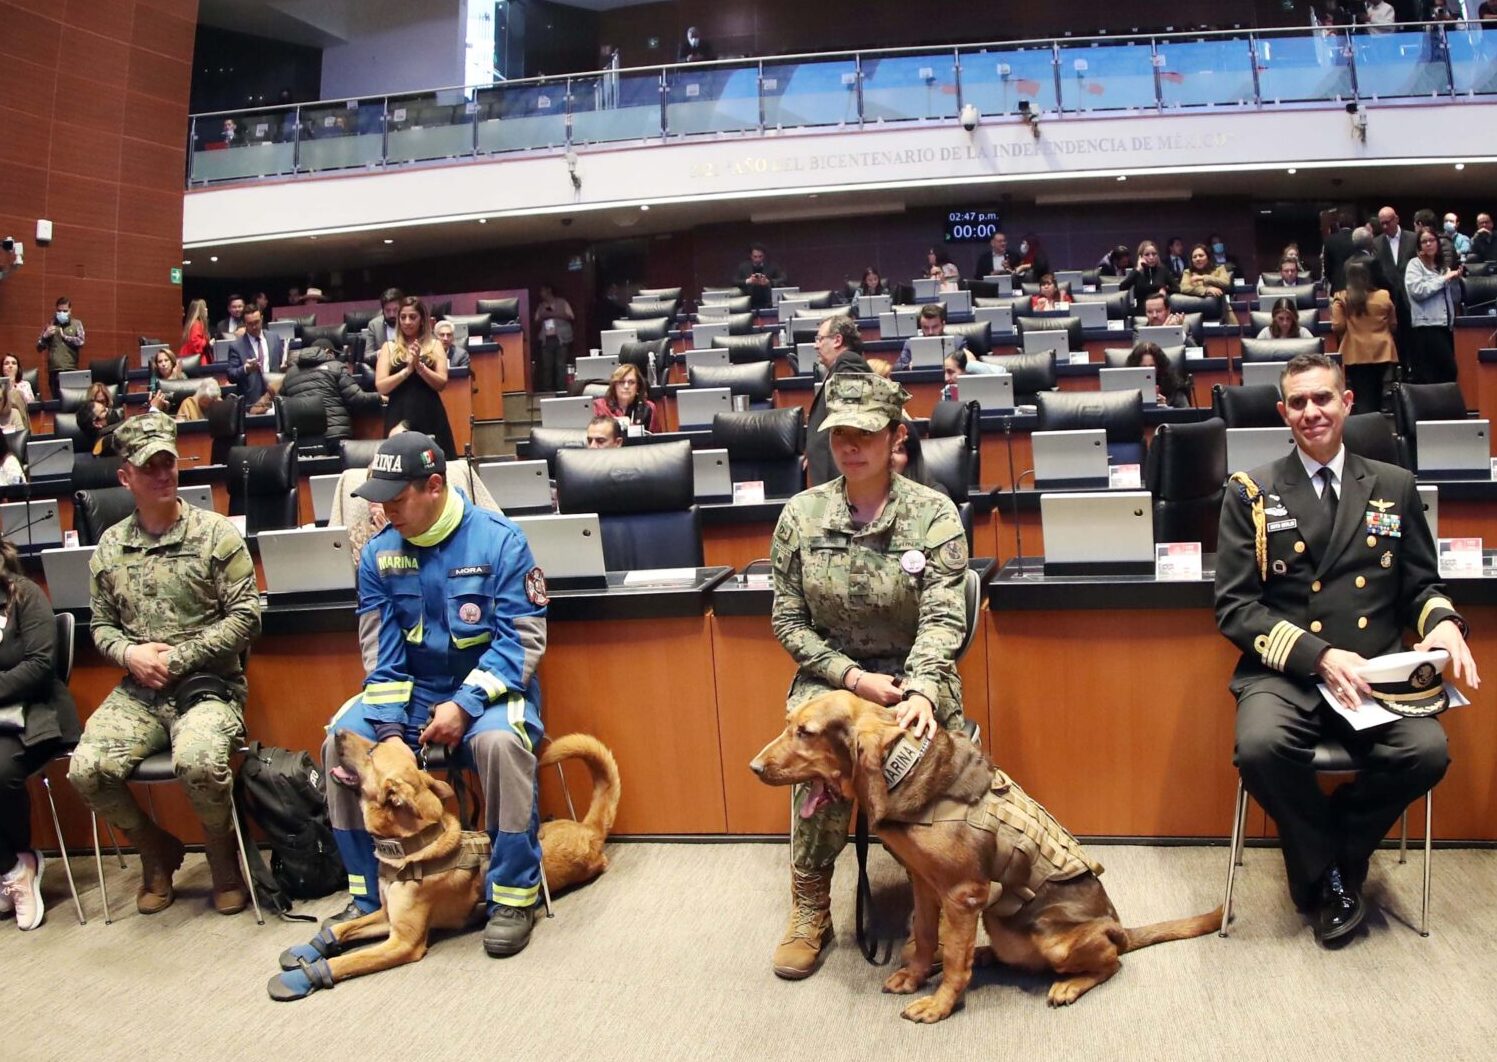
(1219, 248)
(1024, 247)
(63, 316)
(1450, 226)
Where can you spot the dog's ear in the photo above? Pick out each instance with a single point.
(395, 794)
(869, 773)
(442, 790)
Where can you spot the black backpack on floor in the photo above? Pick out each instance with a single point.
(281, 791)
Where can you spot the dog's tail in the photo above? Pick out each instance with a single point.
(605, 771)
(1177, 929)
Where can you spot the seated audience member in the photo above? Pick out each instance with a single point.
(1308, 619)
(94, 427)
(872, 283)
(174, 603)
(1050, 296)
(1287, 277)
(320, 373)
(626, 400)
(995, 261)
(1116, 262)
(195, 331)
(603, 433)
(45, 722)
(232, 325)
(931, 322)
(881, 367)
(1483, 242)
(1149, 276)
(1221, 256)
(99, 392)
(907, 460)
(1285, 323)
(1364, 321)
(949, 276)
(195, 406)
(1032, 262)
(457, 354)
(164, 366)
(1203, 279)
(1169, 389)
(255, 353)
(13, 415)
(757, 277)
(1174, 255)
(10, 372)
(958, 364)
(1157, 312)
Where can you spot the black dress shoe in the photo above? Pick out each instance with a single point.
(1340, 910)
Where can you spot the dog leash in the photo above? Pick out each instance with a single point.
(867, 943)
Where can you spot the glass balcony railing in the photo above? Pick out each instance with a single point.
(1170, 72)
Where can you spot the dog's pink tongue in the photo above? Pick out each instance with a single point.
(814, 793)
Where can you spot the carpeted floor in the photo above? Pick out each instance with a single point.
(666, 957)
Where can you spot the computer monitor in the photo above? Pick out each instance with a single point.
(926, 289)
(957, 301)
(1003, 281)
(1076, 458)
(991, 391)
(1090, 314)
(1250, 448)
(569, 549)
(1449, 449)
(68, 579)
(873, 305)
(1098, 533)
(611, 340)
(1138, 378)
(713, 357)
(32, 523)
(712, 475)
(517, 485)
(566, 412)
(1000, 319)
(696, 406)
(703, 332)
(1039, 342)
(307, 560)
(599, 368)
(897, 324)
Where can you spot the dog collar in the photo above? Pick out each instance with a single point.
(902, 760)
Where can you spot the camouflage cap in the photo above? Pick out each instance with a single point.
(141, 438)
(863, 400)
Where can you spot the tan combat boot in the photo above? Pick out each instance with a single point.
(229, 893)
(810, 925)
(160, 856)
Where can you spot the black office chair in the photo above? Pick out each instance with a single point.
(1032, 373)
(358, 320)
(642, 311)
(977, 336)
(1208, 306)
(467, 325)
(302, 420)
(1071, 326)
(803, 330)
(644, 501)
(65, 426)
(263, 486)
(191, 361)
(1247, 405)
(1369, 435)
(647, 328)
(336, 334)
(1186, 469)
(225, 426)
(500, 311)
(302, 322)
(637, 353)
(659, 294)
(546, 442)
(15, 442)
(757, 346)
(176, 391)
(1303, 295)
(739, 324)
(34, 378)
(1279, 349)
(71, 399)
(764, 445)
(1261, 319)
(755, 380)
(1415, 402)
(1120, 413)
(1117, 357)
(956, 468)
(948, 418)
(96, 473)
(357, 453)
(64, 626)
(1479, 290)
(96, 511)
(817, 300)
(112, 371)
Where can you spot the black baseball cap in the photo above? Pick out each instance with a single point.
(403, 459)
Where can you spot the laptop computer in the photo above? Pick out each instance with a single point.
(1164, 335)
(149, 351)
(566, 412)
(989, 390)
(324, 490)
(713, 311)
(957, 301)
(1250, 448)
(791, 307)
(1448, 449)
(928, 352)
(1430, 496)
(1138, 378)
(1259, 373)
(873, 305)
(49, 458)
(927, 289)
(611, 340)
(696, 406)
(1101, 533)
(712, 476)
(68, 579)
(32, 523)
(703, 332)
(517, 484)
(805, 359)
(710, 295)
(569, 549)
(82, 377)
(1070, 458)
(200, 495)
(1039, 342)
(1000, 319)
(306, 560)
(1072, 277)
(1004, 281)
(1090, 314)
(897, 324)
(221, 350)
(285, 331)
(708, 357)
(776, 294)
(596, 368)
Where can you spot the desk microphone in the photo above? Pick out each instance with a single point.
(33, 466)
(1013, 486)
(472, 472)
(30, 545)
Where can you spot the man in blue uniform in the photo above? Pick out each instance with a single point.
(462, 626)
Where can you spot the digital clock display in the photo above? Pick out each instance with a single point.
(970, 226)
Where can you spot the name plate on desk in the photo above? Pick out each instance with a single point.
(1460, 557)
(1177, 561)
(749, 492)
(1195, 354)
(660, 577)
(1125, 477)
(1494, 468)
(1080, 357)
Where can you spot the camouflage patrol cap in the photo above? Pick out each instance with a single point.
(141, 438)
(863, 400)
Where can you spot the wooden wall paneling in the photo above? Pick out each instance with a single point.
(96, 155)
(89, 252)
(143, 162)
(102, 59)
(85, 107)
(110, 18)
(165, 31)
(35, 36)
(753, 674)
(85, 203)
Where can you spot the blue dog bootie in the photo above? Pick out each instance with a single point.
(301, 982)
(323, 945)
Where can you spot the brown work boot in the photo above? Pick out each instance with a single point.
(229, 893)
(810, 926)
(160, 856)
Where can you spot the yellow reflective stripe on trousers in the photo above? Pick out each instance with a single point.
(492, 687)
(517, 720)
(356, 885)
(388, 692)
(515, 897)
(468, 643)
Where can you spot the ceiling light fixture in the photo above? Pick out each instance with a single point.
(1292, 171)
(1460, 165)
(213, 258)
(483, 221)
(644, 207)
(1122, 176)
(389, 241)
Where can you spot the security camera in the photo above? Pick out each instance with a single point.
(1029, 117)
(969, 117)
(1358, 121)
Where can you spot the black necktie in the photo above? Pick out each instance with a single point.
(1327, 495)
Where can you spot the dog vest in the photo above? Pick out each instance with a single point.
(1031, 849)
(396, 864)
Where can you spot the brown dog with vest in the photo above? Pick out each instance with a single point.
(975, 845)
(431, 870)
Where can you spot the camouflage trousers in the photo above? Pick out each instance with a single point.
(816, 841)
(134, 722)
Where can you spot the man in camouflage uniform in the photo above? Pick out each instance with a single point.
(173, 595)
(870, 602)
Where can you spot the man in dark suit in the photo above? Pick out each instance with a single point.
(229, 327)
(1364, 247)
(995, 261)
(1324, 558)
(839, 348)
(1395, 246)
(758, 276)
(1338, 247)
(252, 355)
